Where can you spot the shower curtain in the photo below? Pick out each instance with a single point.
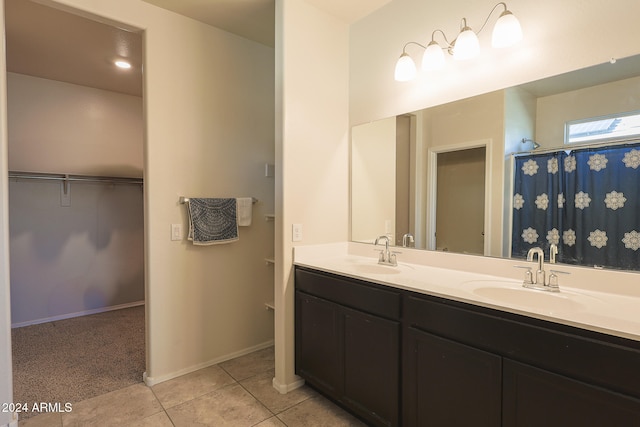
(586, 201)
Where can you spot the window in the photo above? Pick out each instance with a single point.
(604, 128)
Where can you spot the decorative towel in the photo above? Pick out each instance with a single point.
(245, 208)
(212, 221)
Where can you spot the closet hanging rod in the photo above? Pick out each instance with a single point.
(68, 178)
(182, 200)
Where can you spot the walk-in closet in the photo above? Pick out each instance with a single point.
(76, 191)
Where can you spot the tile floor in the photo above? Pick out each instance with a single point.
(237, 392)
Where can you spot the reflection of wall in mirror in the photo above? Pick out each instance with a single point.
(373, 176)
(463, 122)
(554, 111)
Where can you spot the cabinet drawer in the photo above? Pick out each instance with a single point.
(584, 355)
(362, 296)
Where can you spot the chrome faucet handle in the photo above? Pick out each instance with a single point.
(553, 280)
(392, 259)
(528, 275)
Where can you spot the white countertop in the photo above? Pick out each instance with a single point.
(580, 302)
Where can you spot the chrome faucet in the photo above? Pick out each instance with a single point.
(386, 257)
(537, 280)
(539, 276)
(407, 237)
(553, 251)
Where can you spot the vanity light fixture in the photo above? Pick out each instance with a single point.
(506, 32)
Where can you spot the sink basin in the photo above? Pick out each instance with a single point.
(528, 298)
(375, 269)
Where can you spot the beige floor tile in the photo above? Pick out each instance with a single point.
(161, 419)
(318, 412)
(179, 390)
(117, 408)
(251, 364)
(42, 420)
(271, 422)
(261, 387)
(228, 406)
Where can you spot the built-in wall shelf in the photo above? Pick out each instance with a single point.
(270, 305)
(269, 217)
(269, 261)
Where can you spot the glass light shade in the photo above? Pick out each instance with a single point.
(467, 45)
(405, 68)
(507, 31)
(433, 58)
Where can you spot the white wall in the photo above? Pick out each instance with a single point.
(312, 160)
(558, 37)
(77, 259)
(209, 130)
(65, 128)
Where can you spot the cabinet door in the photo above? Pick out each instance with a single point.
(372, 367)
(318, 343)
(534, 397)
(449, 384)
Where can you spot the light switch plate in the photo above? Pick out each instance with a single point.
(296, 235)
(176, 232)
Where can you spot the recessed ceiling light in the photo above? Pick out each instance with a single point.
(122, 64)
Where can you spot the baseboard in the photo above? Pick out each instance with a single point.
(151, 381)
(286, 388)
(77, 314)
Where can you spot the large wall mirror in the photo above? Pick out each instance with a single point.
(444, 178)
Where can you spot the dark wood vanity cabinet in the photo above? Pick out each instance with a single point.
(347, 341)
(400, 358)
(469, 366)
(449, 384)
(534, 397)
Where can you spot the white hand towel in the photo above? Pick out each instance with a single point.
(245, 209)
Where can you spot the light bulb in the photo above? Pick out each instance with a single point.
(507, 31)
(466, 45)
(433, 58)
(405, 68)
(122, 64)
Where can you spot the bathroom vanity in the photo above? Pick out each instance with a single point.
(396, 355)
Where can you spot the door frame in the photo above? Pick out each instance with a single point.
(432, 187)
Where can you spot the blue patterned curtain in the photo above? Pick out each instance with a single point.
(592, 199)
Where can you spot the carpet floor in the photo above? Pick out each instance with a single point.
(75, 359)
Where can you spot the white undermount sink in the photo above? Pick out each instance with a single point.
(375, 269)
(524, 297)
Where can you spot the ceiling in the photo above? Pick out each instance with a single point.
(255, 19)
(54, 44)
